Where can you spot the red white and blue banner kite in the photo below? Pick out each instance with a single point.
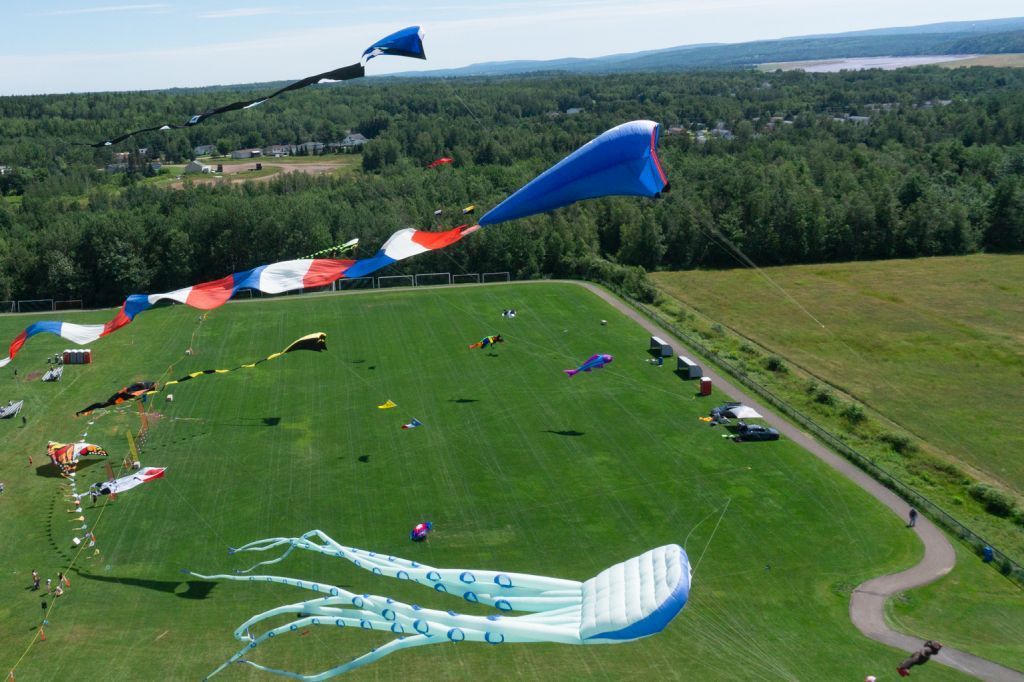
(621, 162)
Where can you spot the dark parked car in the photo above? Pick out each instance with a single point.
(756, 432)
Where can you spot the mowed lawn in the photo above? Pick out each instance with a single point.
(519, 468)
(935, 344)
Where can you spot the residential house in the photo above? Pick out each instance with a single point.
(310, 148)
(278, 150)
(204, 149)
(572, 111)
(194, 166)
(353, 140)
(246, 153)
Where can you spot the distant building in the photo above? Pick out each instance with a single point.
(278, 150)
(862, 120)
(572, 111)
(4, 170)
(309, 148)
(353, 140)
(246, 153)
(119, 167)
(204, 150)
(120, 157)
(196, 167)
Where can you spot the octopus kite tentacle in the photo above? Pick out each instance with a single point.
(633, 599)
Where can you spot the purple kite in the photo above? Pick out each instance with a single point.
(593, 362)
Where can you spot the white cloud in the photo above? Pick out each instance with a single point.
(97, 10)
(240, 12)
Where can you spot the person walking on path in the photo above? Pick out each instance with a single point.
(913, 518)
(35, 580)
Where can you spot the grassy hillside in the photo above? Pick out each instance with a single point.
(519, 468)
(937, 345)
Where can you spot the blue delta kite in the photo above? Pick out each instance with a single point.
(630, 600)
(405, 43)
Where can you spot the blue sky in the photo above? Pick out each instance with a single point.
(52, 46)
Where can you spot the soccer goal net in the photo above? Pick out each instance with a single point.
(471, 278)
(395, 281)
(74, 304)
(35, 305)
(344, 284)
(8, 306)
(430, 279)
(496, 277)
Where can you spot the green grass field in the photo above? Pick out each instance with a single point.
(519, 468)
(935, 344)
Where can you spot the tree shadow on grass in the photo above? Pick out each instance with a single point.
(186, 589)
(462, 401)
(566, 433)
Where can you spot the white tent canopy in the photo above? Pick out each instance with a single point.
(742, 412)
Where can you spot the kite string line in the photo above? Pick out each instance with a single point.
(701, 557)
(738, 254)
(53, 601)
(74, 559)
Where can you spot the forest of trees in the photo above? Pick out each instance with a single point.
(938, 169)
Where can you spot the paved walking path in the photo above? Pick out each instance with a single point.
(867, 604)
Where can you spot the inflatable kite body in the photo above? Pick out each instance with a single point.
(919, 657)
(593, 362)
(440, 162)
(487, 341)
(66, 455)
(627, 601)
(125, 483)
(621, 161)
(420, 531)
(136, 390)
(314, 342)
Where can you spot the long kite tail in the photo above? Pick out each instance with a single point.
(571, 372)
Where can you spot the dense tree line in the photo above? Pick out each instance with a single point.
(938, 169)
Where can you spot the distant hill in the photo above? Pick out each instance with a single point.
(994, 36)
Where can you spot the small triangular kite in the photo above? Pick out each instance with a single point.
(388, 405)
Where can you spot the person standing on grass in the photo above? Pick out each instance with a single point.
(35, 580)
(913, 518)
(49, 582)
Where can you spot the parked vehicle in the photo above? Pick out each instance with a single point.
(754, 432)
